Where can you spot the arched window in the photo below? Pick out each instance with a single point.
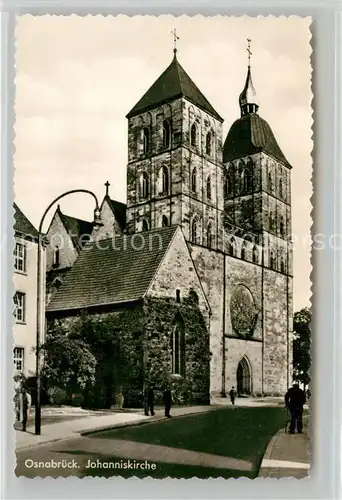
(193, 135)
(232, 247)
(178, 349)
(165, 180)
(166, 133)
(244, 251)
(282, 226)
(209, 187)
(56, 257)
(255, 255)
(194, 230)
(282, 264)
(280, 188)
(270, 183)
(144, 185)
(271, 221)
(165, 221)
(272, 259)
(145, 225)
(146, 139)
(229, 183)
(209, 236)
(193, 296)
(194, 180)
(246, 180)
(208, 143)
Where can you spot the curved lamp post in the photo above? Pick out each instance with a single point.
(41, 296)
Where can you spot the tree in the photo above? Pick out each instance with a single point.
(301, 346)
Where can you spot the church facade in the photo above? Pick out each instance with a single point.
(229, 260)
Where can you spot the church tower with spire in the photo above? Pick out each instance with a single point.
(175, 171)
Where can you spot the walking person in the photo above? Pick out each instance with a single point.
(149, 400)
(167, 402)
(232, 395)
(25, 405)
(294, 401)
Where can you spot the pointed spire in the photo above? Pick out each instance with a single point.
(107, 188)
(248, 99)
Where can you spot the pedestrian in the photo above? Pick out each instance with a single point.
(294, 401)
(149, 400)
(120, 399)
(232, 395)
(25, 405)
(167, 402)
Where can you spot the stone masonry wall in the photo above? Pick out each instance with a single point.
(58, 237)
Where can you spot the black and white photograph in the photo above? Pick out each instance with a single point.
(162, 307)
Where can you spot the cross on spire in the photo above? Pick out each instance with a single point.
(175, 38)
(249, 51)
(107, 187)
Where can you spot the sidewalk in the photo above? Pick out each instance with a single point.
(69, 429)
(287, 455)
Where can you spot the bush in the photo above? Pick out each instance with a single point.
(57, 396)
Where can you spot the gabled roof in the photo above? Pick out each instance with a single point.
(174, 82)
(22, 225)
(76, 228)
(251, 134)
(117, 270)
(119, 211)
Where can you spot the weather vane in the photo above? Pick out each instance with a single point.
(175, 38)
(249, 51)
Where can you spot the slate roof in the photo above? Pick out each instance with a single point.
(22, 225)
(119, 210)
(251, 134)
(76, 228)
(174, 82)
(113, 271)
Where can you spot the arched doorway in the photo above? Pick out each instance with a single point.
(244, 378)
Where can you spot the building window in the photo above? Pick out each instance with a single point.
(255, 255)
(193, 296)
(243, 251)
(178, 350)
(145, 225)
(57, 283)
(166, 133)
(194, 180)
(56, 257)
(18, 358)
(282, 265)
(177, 295)
(194, 231)
(282, 226)
(193, 135)
(247, 180)
(165, 180)
(280, 188)
(165, 221)
(272, 260)
(270, 183)
(271, 221)
(146, 139)
(144, 185)
(19, 302)
(209, 236)
(208, 143)
(209, 187)
(232, 247)
(229, 183)
(20, 257)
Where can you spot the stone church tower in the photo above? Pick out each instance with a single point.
(233, 203)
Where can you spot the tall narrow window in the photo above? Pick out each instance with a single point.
(229, 183)
(209, 187)
(272, 259)
(232, 247)
(270, 183)
(165, 180)
(282, 265)
(194, 230)
(271, 221)
(178, 350)
(209, 236)
(19, 303)
(166, 133)
(255, 255)
(146, 139)
(56, 257)
(18, 358)
(208, 143)
(282, 226)
(280, 188)
(145, 225)
(144, 185)
(194, 180)
(20, 257)
(178, 296)
(247, 180)
(244, 251)
(165, 221)
(193, 135)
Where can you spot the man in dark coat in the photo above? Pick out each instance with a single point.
(167, 402)
(149, 400)
(294, 401)
(232, 395)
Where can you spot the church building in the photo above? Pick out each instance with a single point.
(203, 258)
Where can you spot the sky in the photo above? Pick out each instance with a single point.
(78, 77)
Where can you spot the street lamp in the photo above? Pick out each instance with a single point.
(41, 296)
